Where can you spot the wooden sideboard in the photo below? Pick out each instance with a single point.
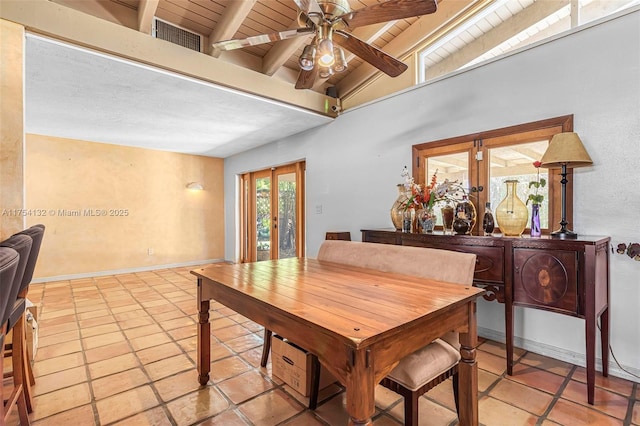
(570, 277)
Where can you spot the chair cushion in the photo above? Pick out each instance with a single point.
(422, 366)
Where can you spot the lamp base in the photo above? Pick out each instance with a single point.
(564, 234)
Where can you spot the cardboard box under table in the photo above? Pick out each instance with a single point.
(292, 364)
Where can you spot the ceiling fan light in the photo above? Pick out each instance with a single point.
(325, 72)
(306, 60)
(325, 53)
(340, 60)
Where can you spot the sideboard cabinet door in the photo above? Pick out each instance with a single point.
(546, 279)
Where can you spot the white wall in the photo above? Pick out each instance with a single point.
(354, 163)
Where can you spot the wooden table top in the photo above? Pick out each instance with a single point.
(359, 305)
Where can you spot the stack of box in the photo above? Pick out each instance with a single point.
(292, 364)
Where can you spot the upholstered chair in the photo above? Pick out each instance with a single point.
(22, 245)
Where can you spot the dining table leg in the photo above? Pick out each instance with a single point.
(204, 338)
(360, 390)
(468, 372)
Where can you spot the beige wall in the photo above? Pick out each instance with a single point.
(70, 184)
(11, 127)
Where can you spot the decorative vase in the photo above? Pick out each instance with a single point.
(447, 219)
(465, 210)
(512, 213)
(460, 226)
(426, 220)
(397, 210)
(535, 220)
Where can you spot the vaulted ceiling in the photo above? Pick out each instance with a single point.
(216, 20)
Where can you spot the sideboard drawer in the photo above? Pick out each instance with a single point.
(546, 279)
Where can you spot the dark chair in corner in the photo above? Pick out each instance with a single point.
(36, 232)
(422, 370)
(22, 245)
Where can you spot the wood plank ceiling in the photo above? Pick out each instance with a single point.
(217, 20)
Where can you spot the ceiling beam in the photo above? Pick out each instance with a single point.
(233, 16)
(529, 16)
(425, 27)
(281, 51)
(146, 12)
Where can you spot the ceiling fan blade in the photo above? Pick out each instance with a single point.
(312, 9)
(306, 79)
(389, 11)
(260, 39)
(376, 57)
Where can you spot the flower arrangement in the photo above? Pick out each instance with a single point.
(426, 196)
(534, 197)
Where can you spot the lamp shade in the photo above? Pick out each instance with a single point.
(565, 148)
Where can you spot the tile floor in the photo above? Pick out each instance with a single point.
(120, 350)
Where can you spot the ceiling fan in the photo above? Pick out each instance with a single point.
(331, 22)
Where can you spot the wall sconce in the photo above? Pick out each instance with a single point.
(196, 186)
(565, 150)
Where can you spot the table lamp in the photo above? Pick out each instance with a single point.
(565, 150)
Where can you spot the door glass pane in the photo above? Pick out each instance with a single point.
(286, 215)
(454, 167)
(263, 218)
(516, 162)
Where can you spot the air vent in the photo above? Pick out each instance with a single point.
(171, 33)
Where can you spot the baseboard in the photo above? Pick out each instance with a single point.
(562, 354)
(123, 271)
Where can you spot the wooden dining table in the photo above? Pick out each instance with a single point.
(358, 322)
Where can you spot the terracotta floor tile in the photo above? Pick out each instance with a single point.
(271, 408)
(79, 416)
(166, 367)
(112, 365)
(635, 416)
(231, 332)
(608, 402)
(58, 349)
(60, 363)
(61, 400)
(59, 380)
(177, 385)
(247, 385)
(100, 329)
(154, 417)
(57, 329)
(551, 365)
(157, 353)
(244, 343)
(491, 363)
(107, 351)
(495, 412)
(144, 342)
(486, 379)
(227, 368)
(92, 322)
(304, 419)
(183, 332)
(521, 396)
(569, 413)
(537, 378)
(119, 382)
(226, 418)
(136, 322)
(58, 338)
(198, 405)
(103, 339)
(126, 404)
(143, 331)
(614, 384)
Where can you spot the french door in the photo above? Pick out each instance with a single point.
(272, 210)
